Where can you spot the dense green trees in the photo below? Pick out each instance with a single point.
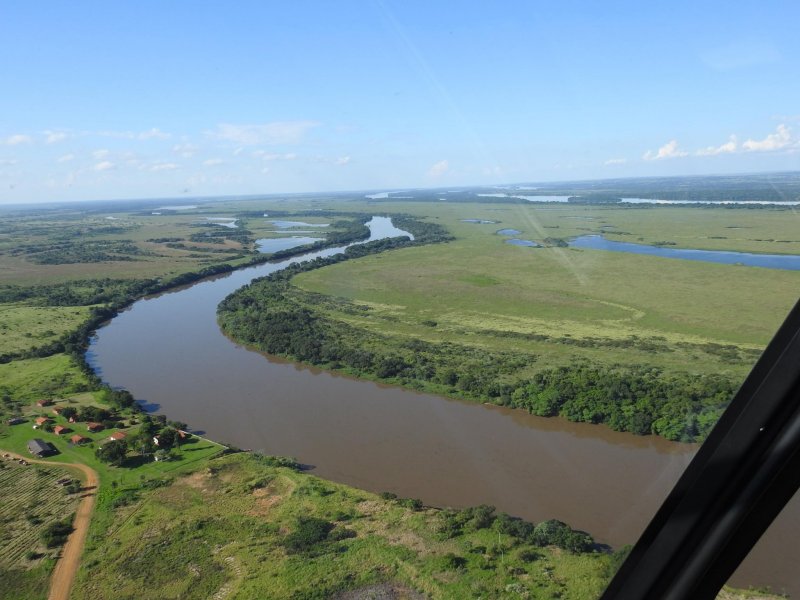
(643, 400)
(547, 533)
(112, 452)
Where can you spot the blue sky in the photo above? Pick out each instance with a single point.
(161, 99)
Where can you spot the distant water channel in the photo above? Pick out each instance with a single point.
(271, 245)
(771, 261)
(170, 353)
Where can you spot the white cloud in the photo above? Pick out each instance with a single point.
(104, 166)
(342, 160)
(439, 169)
(185, 150)
(53, 137)
(153, 134)
(164, 167)
(65, 158)
(277, 132)
(212, 162)
(668, 150)
(7, 162)
(729, 147)
(782, 138)
(18, 138)
(615, 161)
(270, 156)
(99, 154)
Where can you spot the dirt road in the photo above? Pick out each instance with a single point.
(67, 565)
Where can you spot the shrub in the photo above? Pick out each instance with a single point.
(308, 532)
(451, 562)
(56, 533)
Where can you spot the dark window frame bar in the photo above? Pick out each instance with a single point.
(738, 482)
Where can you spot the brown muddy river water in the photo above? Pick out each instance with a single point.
(170, 353)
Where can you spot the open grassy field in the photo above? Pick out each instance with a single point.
(478, 289)
(25, 381)
(221, 532)
(24, 327)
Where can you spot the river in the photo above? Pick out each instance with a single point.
(170, 353)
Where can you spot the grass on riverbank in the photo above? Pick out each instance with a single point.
(223, 530)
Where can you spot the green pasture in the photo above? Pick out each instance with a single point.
(24, 327)
(479, 288)
(28, 380)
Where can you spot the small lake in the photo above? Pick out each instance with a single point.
(508, 232)
(223, 222)
(290, 224)
(789, 262)
(270, 245)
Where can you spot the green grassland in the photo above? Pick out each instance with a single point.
(477, 290)
(30, 500)
(221, 532)
(25, 381)
(25, 327)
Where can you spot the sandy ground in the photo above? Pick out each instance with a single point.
(67, 565)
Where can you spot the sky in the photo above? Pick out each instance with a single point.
(105, 100)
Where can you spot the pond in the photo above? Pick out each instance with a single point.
(290, 224)
(770, 261)
(270, 245)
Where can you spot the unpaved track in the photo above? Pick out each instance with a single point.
(67, 565)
